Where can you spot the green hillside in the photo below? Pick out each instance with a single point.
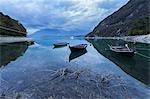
(11, 27)
(131, 19)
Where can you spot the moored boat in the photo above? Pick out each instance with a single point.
(122, 50)
(78, 47)
(61, 44)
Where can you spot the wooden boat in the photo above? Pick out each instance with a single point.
(61, 44)
(76, 54)
(78, 47)
(122, 50)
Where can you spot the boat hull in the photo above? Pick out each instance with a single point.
(128, 54)
(60, 44)
(76, 48)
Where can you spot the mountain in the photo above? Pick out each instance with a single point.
(131, 19)
(10, 26)
(45, 32)
(56, 32)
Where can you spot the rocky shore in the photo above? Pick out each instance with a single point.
(141, 39)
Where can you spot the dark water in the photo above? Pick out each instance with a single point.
(137, 66)
(10, 52)
(40, 71)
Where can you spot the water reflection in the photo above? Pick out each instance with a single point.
(45, 73)
(137, 66)
(11, 51)
(76, 54)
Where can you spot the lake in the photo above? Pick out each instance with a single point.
(41, 71)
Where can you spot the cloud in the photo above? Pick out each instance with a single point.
(60, 14)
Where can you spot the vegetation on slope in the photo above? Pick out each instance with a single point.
(141, 27)
(131, 19)
(7, 22)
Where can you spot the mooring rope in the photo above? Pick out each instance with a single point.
(142, 55)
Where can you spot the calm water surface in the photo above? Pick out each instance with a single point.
(40, 71)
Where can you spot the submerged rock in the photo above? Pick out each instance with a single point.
(66, 86)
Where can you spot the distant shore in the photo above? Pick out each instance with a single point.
(14, 39)
(139, 38)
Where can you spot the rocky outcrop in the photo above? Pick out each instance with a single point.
(11, 27)
(131, 19)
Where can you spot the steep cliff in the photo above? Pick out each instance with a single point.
(131, 19)
(11, 27)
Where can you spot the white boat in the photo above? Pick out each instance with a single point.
(122, 50)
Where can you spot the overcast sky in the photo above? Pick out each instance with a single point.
(60, 14)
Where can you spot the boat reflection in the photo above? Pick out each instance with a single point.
(136, 66)
(11, 51)
(76, 54)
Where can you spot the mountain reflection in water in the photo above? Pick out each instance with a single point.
(45, 73)
(11, 51)
(137, 66)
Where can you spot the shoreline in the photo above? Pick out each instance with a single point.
(14, 39)
(139, 38)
